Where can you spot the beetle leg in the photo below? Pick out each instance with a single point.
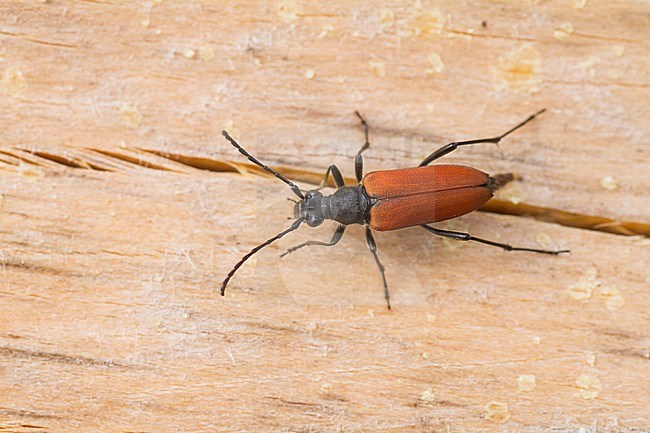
(358, 160)
(336, 174)
(448, 148)
(336, 237)
(459, 236)
(372, 245)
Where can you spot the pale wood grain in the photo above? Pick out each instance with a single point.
(111, 257)
(112, 317)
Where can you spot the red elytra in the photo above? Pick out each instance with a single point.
(422, 195)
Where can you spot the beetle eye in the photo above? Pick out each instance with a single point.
(313, 220)
(311, 194)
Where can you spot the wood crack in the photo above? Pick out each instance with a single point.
(111, 160)
(12, 352)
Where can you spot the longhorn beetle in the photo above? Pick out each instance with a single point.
(393, 199)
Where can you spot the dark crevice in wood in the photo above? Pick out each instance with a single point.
(12, 352)
(64, 160)
(564, 218)
(568, 219)
(19, 157)
(22, 413)
(130, 159)
(195, 161)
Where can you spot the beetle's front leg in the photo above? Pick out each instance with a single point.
(336, 237)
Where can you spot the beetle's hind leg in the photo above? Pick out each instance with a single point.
(459, 236)
(448, 148)
(336, 237)
(372, 245)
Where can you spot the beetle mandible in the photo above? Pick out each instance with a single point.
(393, 199)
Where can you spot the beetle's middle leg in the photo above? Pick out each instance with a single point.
(459, 236)
(372, 245)
(448, 148)
(336, 175)
(358, 160)
(336, 237)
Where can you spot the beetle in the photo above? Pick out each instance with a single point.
(393, 199)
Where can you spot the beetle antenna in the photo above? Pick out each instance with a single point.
(251, 158)
(293, 227)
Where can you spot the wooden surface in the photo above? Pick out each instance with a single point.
(122, 209)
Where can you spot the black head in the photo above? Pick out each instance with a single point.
(310, 209)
